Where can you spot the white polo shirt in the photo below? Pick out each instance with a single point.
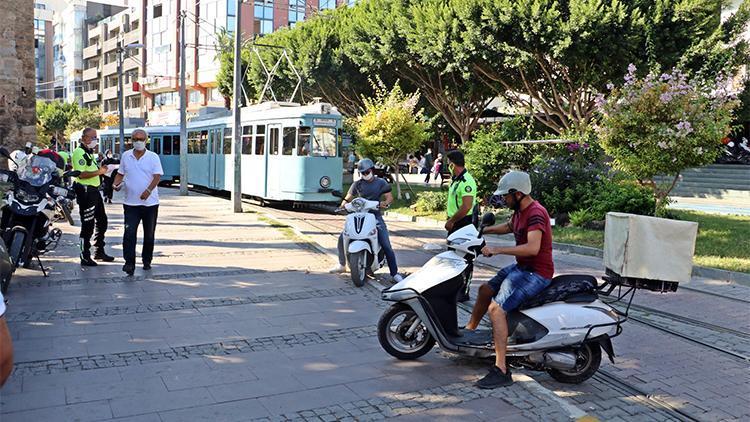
(138, 174)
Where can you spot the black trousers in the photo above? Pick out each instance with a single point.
(134, 216)
(107, 187)
(93, 215)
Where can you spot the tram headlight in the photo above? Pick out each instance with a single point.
(325, 182)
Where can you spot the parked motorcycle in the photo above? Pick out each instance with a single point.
(363, 251)
(30, 207)
(561, 331)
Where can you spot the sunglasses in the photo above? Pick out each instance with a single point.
(366, 172)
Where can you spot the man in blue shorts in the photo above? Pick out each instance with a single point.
(516, 283)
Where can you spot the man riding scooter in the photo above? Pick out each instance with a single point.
(371, 188)
(516, 283)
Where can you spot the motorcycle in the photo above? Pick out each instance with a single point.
(30, 207)
(561, 331)
(363, 251)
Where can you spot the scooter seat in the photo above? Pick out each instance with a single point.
(570, 288)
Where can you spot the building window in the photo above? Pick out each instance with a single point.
(195, 97)
(327, 4)
(263, 23)
(166, 98)
(231, 15)
(296, 12)
(157, 11)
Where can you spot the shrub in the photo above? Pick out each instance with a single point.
(625, 196)
(581, 217)
(487, 158)
(661, 125)
(431, 201)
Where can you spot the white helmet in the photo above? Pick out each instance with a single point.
(514, 181)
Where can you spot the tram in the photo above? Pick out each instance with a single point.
(290, 152)
(163, 140)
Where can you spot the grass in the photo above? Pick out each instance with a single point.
(402, 206)
(723, 240)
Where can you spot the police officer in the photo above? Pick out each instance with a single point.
(89, 200)
(461, 208)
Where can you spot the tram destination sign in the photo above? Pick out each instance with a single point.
(324, 122)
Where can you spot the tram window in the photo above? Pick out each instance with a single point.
(176, 145)
(156, 145)
(203, 142)
(273, 133)
(228, 140)
(216, 141)
(324, 142)
(260, 139)
(128, 143)
(193, 142)
(303, 141)
(290, 135)
(167, 146)
(247, 140)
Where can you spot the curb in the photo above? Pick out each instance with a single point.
(698, 271)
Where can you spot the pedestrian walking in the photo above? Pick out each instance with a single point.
(139, 173)
(108, 180)
(89, 200)
(427, 166)
(437, 168)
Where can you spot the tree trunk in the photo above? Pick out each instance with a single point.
(398, 184)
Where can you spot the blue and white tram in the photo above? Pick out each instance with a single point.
(163, 140)
(290, 152)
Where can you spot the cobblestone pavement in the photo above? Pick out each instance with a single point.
(657, 375)
(238, 320)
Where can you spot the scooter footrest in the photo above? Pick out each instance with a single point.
(475, 337)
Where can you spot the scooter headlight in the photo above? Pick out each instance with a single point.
(57, 191)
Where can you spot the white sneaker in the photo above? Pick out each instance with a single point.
(398, 278)
(338, 269)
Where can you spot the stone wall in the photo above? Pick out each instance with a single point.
(17, 82)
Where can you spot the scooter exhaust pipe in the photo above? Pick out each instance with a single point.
(555, 360)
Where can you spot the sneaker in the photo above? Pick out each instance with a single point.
(86, 261)
(102, 256)
(398, 278)
(146, 266)
(338, 269)
(129, 269)
(495, 378)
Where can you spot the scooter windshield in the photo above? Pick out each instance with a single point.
(38, 171)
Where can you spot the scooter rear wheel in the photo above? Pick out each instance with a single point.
(588, 359)
(392, 329)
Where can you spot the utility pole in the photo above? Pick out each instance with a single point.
(121, 94)
(237, 149)
(183, 111)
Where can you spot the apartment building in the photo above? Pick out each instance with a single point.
(107, 40)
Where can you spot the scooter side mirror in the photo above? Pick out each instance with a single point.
(4, 152)
(488, 219)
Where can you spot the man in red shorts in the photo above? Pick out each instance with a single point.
(516, 283)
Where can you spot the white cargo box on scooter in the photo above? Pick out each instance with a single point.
(649, 249)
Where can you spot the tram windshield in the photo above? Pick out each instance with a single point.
(324, 142)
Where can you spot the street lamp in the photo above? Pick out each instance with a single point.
(121, 98)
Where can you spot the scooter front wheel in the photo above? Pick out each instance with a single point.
(358, 266)
(402, 334)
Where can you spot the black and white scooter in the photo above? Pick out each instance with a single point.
(562, 331)
(363, 251)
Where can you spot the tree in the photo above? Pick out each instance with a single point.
(83, 118)
(417, 40)
(554, 57)
(53, 118)
(390, 128)
(661, 125)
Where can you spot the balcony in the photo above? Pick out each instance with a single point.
(96, 31)
(91, 96)
(133, 113)
(133, 37)
(127, 90)
(110, 69)
(160, 85)
(109, 93)
(91, 51)
(110, 44)
(91, 73)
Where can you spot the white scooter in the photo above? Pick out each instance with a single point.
(561, 331)
(363, 252)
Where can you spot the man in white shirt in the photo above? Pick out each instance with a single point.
(139, 173)
(6, 346)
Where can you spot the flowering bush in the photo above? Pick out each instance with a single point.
(663, 124)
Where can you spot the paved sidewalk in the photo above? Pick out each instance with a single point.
(237, 321)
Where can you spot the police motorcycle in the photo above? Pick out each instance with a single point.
(30, 207)
(363, 251)
(561, 331)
